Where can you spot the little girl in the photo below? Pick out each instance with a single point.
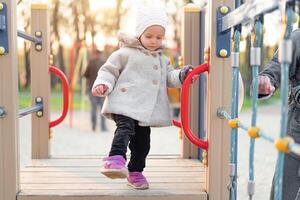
(134, 80)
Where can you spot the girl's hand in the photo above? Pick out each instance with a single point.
(99, 90)
(265, 86)
(184, 72)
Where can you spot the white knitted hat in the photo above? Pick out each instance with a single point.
(149, 16)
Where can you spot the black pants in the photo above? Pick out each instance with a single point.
(138, 137)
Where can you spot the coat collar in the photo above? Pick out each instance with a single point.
(127, 40)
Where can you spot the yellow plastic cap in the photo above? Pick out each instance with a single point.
(190, 7)
(253, 132)
(233, 123)
(39, 6)
(282, 144)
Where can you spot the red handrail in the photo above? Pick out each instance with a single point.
(176, 123)
(65, 86)
(185, 92)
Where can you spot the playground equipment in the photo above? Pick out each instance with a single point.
(80, 176)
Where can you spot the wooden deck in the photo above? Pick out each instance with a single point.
(78, 178)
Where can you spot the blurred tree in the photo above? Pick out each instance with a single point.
(112, 18)
(57, 18)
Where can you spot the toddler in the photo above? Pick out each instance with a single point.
(134, 80)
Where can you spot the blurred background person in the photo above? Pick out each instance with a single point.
(90, 74)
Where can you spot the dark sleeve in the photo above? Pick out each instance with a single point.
(273, 68)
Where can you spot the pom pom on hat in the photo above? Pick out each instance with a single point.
(149, 16)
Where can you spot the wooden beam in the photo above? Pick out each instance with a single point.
(9, 180)
(190, 52)
(219, 95)
(40, 80)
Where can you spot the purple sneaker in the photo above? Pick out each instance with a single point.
(114, 167)
(137, 180)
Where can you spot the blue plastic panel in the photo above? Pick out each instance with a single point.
(3, 28)
(223, 40)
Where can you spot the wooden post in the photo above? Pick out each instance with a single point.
(190, 52)
(9, 180)
(219, 95)
(40, 80)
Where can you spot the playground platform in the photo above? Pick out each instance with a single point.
(78, 178)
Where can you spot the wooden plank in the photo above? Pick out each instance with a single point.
(40, 80)
(90, 169)
(151, 156)
(9, 185)
(97, 174)
(108, 186)
(121, 197)
(65, 182)
(219, 95)
(98, 162)
(101, 179)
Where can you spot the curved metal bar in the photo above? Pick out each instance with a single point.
(65, 84)
(185, 106)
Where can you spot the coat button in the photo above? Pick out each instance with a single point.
(155, 67)
(155, 82)
(123, 89)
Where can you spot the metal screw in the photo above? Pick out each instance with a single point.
(2, 112)
(224, 10)
(39, 114)
(2, 50)
(38, 47)
(223, 53)
(38, 99)
(38, 34)
(1, 6)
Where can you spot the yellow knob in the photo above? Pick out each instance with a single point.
(233, 123)
(282, 144)
(224, 10)
(206, 58)
(253, 132)
(206, 50)
(1, 6)
(223, 53)
(2, 50)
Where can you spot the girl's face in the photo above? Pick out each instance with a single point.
(152, 37)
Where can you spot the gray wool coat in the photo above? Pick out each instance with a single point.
(291, 174)
(137, 81)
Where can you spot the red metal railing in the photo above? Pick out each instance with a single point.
(185, 92)
(176, 123)
(65, 86)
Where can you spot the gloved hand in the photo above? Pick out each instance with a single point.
(184, 72)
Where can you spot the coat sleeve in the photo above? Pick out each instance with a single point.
(109, 72)
(173, 80)
(273, 68)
